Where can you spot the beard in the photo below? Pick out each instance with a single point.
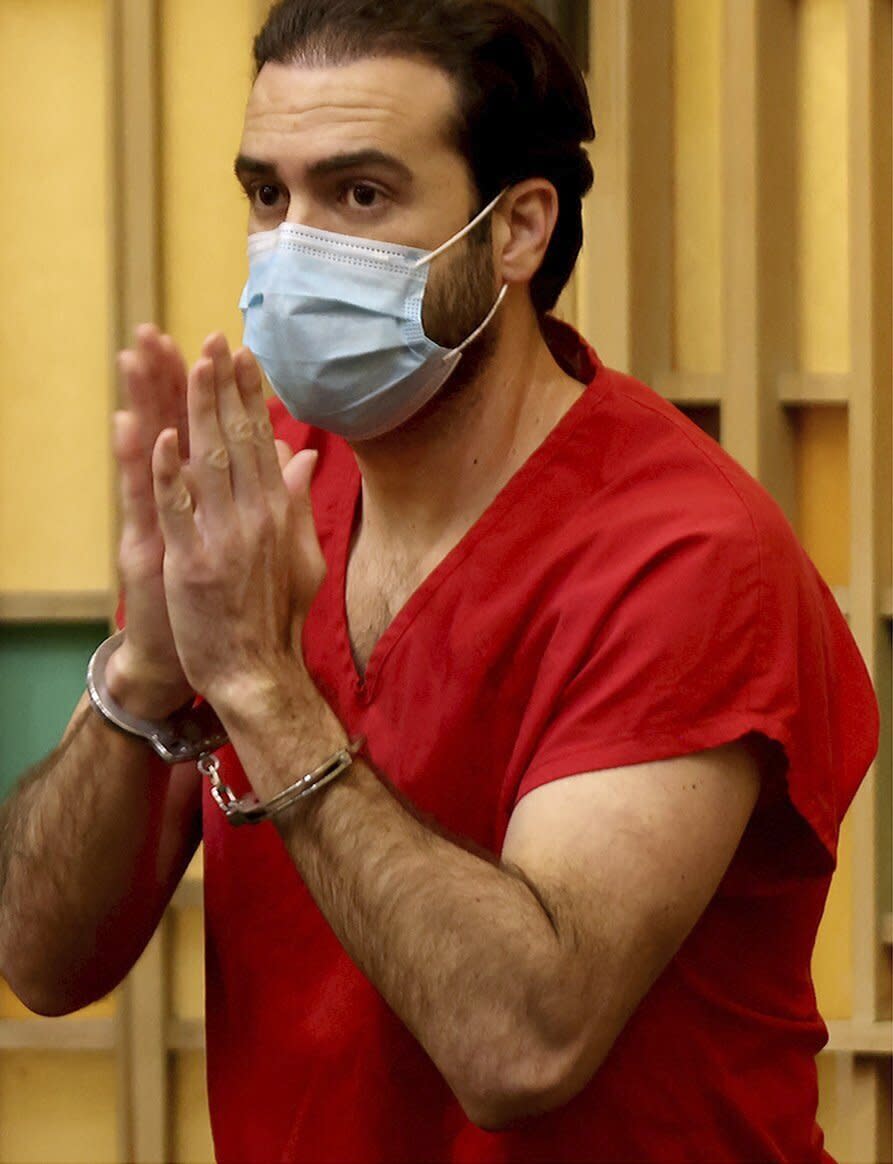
(458, 298)
(456, 304)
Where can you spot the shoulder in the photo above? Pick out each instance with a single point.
(702, 612)
(649, 495)
(655, 449)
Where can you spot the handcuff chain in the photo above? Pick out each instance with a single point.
(249, 810)
(223, 795)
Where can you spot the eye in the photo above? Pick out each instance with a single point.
(362, 195)
(267, 195)
(264, 196)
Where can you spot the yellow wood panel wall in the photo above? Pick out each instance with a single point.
(823, 502)
(187, 993)
(822, 209)
(822, 434)
(56, 507)
(698, 322)
(58, 1107)
(823, 494)
(206, 78)
(191, 1133)
(55, 383)
(190, 1125)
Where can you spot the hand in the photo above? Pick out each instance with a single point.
(145, 674)
(242, 561)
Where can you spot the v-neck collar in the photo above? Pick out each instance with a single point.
(576, 357)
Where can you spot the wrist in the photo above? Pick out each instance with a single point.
(144, 689)
(281, 805)
(265, 702)
(279, 727)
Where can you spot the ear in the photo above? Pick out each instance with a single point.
(523, 225)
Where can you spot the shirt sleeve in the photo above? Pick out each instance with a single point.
(712, 636)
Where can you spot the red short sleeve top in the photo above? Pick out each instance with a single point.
(631, 595)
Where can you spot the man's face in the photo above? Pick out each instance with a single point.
(366, 149)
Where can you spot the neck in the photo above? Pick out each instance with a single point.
(437, 474)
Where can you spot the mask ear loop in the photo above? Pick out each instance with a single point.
(456, 352)
(488, 209)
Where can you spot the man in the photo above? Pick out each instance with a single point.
(579, 719)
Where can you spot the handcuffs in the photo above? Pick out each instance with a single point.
(194, 732)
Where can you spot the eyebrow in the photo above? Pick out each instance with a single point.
(353, 161)
(336, 164)
(245, 165)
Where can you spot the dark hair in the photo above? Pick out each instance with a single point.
(525, 111)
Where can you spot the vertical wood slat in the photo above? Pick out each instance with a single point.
(132, 41)
(604, 269)
(759, 260)
(885, 118)
(882, 281)
(866, 419)
(869, 417)
(650, 43)
(856, 1104)
(626, 277)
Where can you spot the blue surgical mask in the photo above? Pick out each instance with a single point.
(336, 324)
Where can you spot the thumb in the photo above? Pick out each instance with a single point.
(298, 474)
(284, 453)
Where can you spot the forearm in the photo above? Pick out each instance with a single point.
(461, 949)
(79, 841)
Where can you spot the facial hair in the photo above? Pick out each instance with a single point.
(458, 300)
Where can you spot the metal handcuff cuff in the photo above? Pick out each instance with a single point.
(196, 733)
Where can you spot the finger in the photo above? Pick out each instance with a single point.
(137, 498)
(284, 454)
(154, 383)
(148, 350)
(147, 339)
(141, 399)
(237, 428)
(176, 374)
(298, 474)
(209, 461)
(248, 379)
(164, 372)
(172, 498)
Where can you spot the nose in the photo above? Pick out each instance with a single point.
(302, 212)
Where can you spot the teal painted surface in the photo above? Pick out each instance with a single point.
(41, 679)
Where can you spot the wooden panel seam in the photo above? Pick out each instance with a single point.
(133, 48)
(865, 598)
(67, 1034)
(807, 388)
(874, 1039)
(58, 607)
(690, 387)
(757, 159)
(185, 1034)
(866, 444)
